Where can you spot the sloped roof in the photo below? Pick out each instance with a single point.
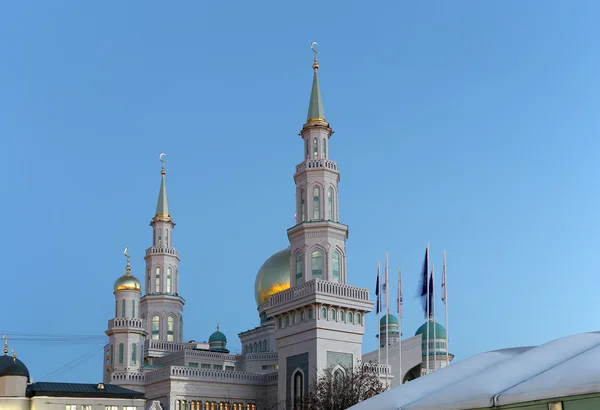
(54, 389)
(562, 367)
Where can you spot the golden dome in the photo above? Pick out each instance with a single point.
(273, 276)
(128, 282)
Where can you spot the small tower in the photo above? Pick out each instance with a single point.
(217, 342)
(124, 356)
(388, 333)
(162, 307)
(14, 377)
(438, 346)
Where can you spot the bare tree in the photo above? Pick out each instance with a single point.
(341, 388)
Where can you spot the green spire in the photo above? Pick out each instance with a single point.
(315, 107)
(162, 208)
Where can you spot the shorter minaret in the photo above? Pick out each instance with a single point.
(124, 354)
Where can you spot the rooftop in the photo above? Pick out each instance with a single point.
(54, 389)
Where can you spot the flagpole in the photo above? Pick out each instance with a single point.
(428, 314)
(387, 321)
(445, 295)
(378, 292)
(400, 325)
(434, 320)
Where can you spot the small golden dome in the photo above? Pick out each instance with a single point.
(273, 276)
(128, 282)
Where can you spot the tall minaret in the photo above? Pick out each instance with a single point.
(162, 307)
(319, 321)
(124, 356)
(318, 240)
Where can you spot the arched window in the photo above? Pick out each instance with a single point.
(324, 313)
(307, 149)
(302, 206)
(315, 148)
(342, 316)
(338, 376)
(264, 345)
(260, 346)
(335, 269)
(169, 272)
(302, 315)
(148, 282)
(310, 313)
(325, 148)
(350, 317)
(121, 352)
(333, 314)
(254, 348)
(170, 329)
(166, 237)
(298, 383)
(358, 319)
(123, 308)
(155, 327)
(317, 264)
(298, 268)
(112, 354)
(154, 237)
(157, 281)
(316, 204)
(181, 328)
(330, 203)
(133, 309)
(159, 238)
(134, 354)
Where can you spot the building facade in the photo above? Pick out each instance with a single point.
(310, 316)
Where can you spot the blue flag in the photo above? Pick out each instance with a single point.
(377, 293)
(425, 282)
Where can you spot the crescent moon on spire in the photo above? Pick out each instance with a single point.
(125, 252)
(160, 157)
(312, 47)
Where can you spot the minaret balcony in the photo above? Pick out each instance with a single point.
(161, 250)
(316, 164)
(126, 322)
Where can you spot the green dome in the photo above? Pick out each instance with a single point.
(440, 332)
(273, 276)
(393, 320)
(217, 337)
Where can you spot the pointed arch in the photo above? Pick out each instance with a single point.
(316, 204)
(324, 148)
(157, 271)
(169, 280)
(318, 259)
(123, 308)
(155, 326)
(302, 205)
(298, 388)
(170, 328)
(299, 266)
(134, 353)
(315, 148)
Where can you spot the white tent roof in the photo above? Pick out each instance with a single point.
(562, 367)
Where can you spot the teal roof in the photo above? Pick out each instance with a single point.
(218, 336)
(315, 107)
(162, 207)
(54, 389)
(393, 320)
(440, 332)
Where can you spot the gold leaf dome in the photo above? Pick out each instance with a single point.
(128, 282)
(273, 276)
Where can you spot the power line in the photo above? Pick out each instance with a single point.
(85, 356)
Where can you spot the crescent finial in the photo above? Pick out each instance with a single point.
(127, 268)
(125, 252)
(312, 47)
(160, 157)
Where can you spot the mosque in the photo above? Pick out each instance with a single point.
(310, 317)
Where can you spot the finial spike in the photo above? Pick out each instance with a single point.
(217, 327)
(160, 157)
(5, 344)
(316, 61)
(128, 266)
(14, 355)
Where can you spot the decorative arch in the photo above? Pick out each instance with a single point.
(157, 281)
(171, 320)
(317, 255)
(169, 284)
(155, 325)
(338, 373)
(298, 387)
(316, 192)
(265, 345)
(315, 148)
(298, 266)
(302, 203)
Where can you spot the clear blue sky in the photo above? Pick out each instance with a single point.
(470, 125)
